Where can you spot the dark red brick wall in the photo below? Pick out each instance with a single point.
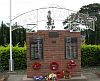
(52, 52)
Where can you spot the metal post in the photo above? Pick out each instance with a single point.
(10, 61)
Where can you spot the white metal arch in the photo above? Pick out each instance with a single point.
(59, 14)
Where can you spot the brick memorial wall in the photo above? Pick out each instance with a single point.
(54, 47)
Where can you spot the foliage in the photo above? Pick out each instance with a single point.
(74, 20)
(18, 34)
(92, 37)
(90, 55)
(19, 56)
(4, 34)
(50, 22)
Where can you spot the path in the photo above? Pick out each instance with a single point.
(88, 72)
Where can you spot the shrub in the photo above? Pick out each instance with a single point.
(90, 55)
(19, 56)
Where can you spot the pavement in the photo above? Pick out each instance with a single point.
(89, 73)
(24, 78)
(15, 78)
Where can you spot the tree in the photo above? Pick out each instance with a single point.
(18, 34)
(4, 34)
(92, 37)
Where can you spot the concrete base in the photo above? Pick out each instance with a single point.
(11, 72)
(27, 79)
(81, 78)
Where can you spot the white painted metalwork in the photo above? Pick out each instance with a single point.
(75, 20)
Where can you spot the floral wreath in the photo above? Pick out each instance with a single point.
(59, 74)
(54, 66)
(71, 64)
(38, 78)
(36, 66)
(51, 77)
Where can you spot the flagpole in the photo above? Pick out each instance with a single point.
(10, 61)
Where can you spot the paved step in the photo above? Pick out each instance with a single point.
(81, 78)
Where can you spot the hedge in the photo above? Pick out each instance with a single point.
(19, 56)
(90, 56)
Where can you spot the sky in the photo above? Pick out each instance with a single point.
(21, 6)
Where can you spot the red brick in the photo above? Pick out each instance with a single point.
(53, 52)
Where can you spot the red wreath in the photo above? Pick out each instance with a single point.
(59, 74)
(70, 67)
(36, 65)
(71, 64)
(54, 66)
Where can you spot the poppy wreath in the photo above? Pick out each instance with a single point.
(59, 74)
(71, 64)
(36, 66)
(54, 66)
